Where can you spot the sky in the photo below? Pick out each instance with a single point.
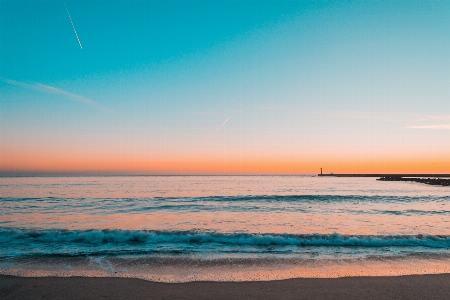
(224, 87)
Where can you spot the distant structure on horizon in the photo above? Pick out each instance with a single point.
(385, 175)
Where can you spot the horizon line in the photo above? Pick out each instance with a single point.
(4, 175)
(92, 174)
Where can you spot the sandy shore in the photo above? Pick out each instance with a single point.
(401, 287)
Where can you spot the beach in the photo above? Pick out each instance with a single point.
(400, 287)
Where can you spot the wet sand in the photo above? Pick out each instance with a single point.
(401, 287)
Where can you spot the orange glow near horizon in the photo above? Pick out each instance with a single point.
(43, 162)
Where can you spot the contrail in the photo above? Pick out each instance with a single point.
(216, 130)
(53, 90)
(73, 26)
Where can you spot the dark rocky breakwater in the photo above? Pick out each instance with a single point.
(431, 181)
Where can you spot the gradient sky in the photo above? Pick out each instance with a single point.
(349, 86)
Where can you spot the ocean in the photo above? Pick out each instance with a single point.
(223, 228)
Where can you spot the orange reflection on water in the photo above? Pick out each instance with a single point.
(243, 222)
(198, 203)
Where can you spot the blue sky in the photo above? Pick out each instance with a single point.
(302, 81)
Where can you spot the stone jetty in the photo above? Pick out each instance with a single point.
(431, 181)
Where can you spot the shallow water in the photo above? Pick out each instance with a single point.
(178, 228)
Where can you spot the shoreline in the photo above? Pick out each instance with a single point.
(396, 287)
(177, 270)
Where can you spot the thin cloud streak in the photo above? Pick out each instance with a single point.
(216, 130)
(366, 115)
(438, 117)
(380, 116)
(53, 90)
(442, 126)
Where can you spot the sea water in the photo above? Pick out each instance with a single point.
(184, 228)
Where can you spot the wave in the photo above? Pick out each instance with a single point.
(14, 236)
(250, 198)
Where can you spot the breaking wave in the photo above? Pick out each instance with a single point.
(76, 241)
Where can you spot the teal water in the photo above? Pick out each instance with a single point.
(72, 222)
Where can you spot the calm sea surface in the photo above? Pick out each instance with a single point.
(182, 228)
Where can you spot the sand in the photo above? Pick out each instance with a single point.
(401, 287)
